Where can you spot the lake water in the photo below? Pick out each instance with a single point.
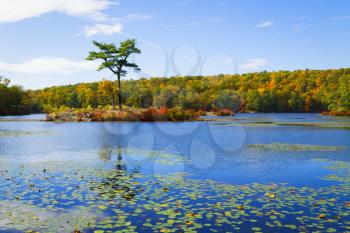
(250, 173)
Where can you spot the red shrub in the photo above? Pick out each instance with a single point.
(152, 114)
(224, 112)
(163, 110)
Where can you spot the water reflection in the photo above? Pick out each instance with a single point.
(130, 181)
(105, 154)
(119, 180)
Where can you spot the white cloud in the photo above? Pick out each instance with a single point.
(116, 27)
(254, 64)
(106, 29)
(17, 10)
(134, 17)
(264, 24)
(48, 66)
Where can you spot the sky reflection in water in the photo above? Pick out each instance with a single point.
(198, 176)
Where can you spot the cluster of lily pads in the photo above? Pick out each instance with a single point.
(8, 133)
(68, 196)
(294, 147)
(332, 125)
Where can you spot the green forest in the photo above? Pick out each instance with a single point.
(281, 91)
(15, 100)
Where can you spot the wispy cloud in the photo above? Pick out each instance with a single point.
(254, 64)
(133, 18)
(217, 20)
(115, 27)
(298, 18)
(104, 29)
(17, 10)
(299, 28)
(48, 66)
(340, 18)
(264, 24)
(301, 17)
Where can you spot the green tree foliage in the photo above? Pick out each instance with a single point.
(282, 91)
(13, 99)
(116, 60)
(227, 99)
(340, 99)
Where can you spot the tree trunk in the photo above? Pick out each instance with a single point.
(119, 94)
(113, 100)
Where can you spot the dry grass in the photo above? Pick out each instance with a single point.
(151, 114)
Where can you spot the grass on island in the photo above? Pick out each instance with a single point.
(294, 147)
(336, 113)
(129, 114)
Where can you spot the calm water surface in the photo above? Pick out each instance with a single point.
(244, 173)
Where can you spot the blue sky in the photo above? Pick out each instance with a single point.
(45, 42)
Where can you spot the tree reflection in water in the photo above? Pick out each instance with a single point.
(120, 181)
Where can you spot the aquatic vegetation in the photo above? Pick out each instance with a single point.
(121, 184)
(20, 216)
(293, 147)
(335, 125)
(6, 133)
(66, 196)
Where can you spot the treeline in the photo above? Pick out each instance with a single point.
(14, 100)
(282, 91)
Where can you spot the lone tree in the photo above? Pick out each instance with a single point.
(116, 60)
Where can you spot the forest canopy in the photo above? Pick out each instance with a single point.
(14, 100)
(281, 91)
